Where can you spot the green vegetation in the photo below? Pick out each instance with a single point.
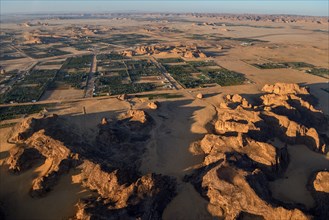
(114, 81)
(30, 88)
(12, 112)
(321, 31)
(160, 96)
(171, 60)
(7, 125)
(111, 64)
(80, 45)
(111, 56)
(216, 37)
(319, 72)
(130, 88)
(241, 39)
(247, 25)
(183, 75)
(48, 40)
(38, 52)
(75, 80)
(202, 63)
(78, 62)
(114, 86)
(223, 77)
(127, 39)
(139, 68)
(198, 37)
(110, 80)
(4, 56)
(73, 72)
(53, 63)
(294, 65)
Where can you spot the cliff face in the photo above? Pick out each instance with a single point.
(319, 187)
(109, 166)
(240, 159)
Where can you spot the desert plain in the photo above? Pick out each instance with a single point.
(164, 116)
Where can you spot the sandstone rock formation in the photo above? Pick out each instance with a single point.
(181, 50)
(144, 198)
(236, 188)
(240, 159)
(136, 115)
(104, 121)
(153, 105)
(199, 96)
(122, 97)
(31, 39)
(128, 53)
(319, 187)
(321, 181)
(284, 88)
(108, 165)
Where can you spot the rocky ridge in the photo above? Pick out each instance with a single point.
(241, 159)
(109, 165)
(187, 51)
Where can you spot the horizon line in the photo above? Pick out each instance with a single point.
(154, 12)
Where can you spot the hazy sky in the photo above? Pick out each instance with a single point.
(306, 7)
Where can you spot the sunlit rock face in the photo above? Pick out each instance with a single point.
(240, 158)
(109, 165)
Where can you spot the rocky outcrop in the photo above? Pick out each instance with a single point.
(109, 165)
(181, 50)
(199, 96)
(145, 198)
(282, 112)
(188, 54)
(40, 146)
(285, 88)
(104, 121)
(235, 187)
(239, 159)
(128, 53)
(22, 158)
(265, 155)
(31, 125)
(122, 97)
(235, 179)
(226, 126)
(321, 182)
(148, 49)
(136, 115)
(319, 187)
(292, 132)
(31, 39)
(153, 105)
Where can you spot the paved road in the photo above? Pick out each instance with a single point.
(91, 79)
(164, 72)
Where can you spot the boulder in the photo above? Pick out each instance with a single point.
(236, 98)
(123, 97)
(152, 105)
(104, 121)
(199, 96)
